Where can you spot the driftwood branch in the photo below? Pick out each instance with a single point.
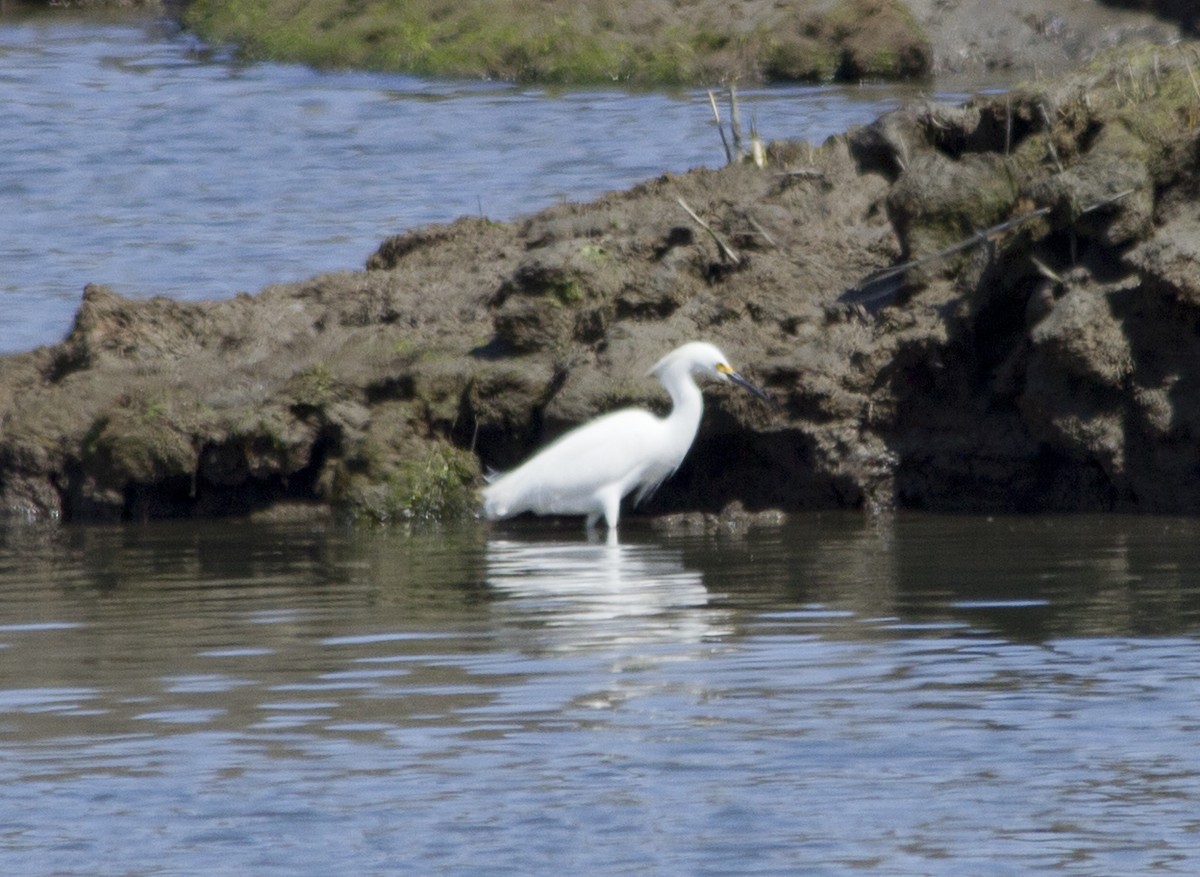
(875, 287)
(727, 252)
(802, 173)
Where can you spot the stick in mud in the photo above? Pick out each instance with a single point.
(735, 123)
(727, 252)
(878, 289)
(1191, 73)
(1050, 137)
(712, 100)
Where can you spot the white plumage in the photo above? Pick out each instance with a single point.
(590, 469)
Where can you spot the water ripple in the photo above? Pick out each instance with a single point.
(831, 697)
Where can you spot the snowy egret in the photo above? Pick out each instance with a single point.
(590, 469)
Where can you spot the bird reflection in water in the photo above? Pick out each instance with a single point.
(594, 595)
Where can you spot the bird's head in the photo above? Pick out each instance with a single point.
(700, 357)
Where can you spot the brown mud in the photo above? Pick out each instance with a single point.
(1055, 365)
(1031, 38)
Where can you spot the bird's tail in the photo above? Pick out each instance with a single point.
(495, 498)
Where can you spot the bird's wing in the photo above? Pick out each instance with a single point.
(564, 477)
(647, 488)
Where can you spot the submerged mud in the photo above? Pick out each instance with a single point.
(1049, 364)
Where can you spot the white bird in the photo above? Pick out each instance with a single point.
(591, 469)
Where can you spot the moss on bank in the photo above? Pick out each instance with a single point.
(438, 485)
(666, 42)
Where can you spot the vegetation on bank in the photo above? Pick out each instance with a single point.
(670, 42)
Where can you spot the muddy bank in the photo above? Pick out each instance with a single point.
(1030, 38)
(1051, 366)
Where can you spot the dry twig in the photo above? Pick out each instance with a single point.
(712, 100)
(1050, 136)
(735, 123)
(727, 252)
(875, 287)
(1191, 73)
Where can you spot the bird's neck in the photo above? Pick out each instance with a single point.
(687, 408)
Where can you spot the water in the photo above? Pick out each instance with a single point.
(921, 695)
(135, 158)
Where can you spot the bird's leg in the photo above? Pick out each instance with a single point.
(612, 508)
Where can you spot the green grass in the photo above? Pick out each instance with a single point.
(436, 487)
(596, 41)
(474, 38)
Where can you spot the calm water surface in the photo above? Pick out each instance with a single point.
(920, 695)
(133, 157)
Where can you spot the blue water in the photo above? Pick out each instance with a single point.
(914, 696)
(134, 157)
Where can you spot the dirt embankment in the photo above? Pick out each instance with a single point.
(1050, 366)
(1031, 37)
